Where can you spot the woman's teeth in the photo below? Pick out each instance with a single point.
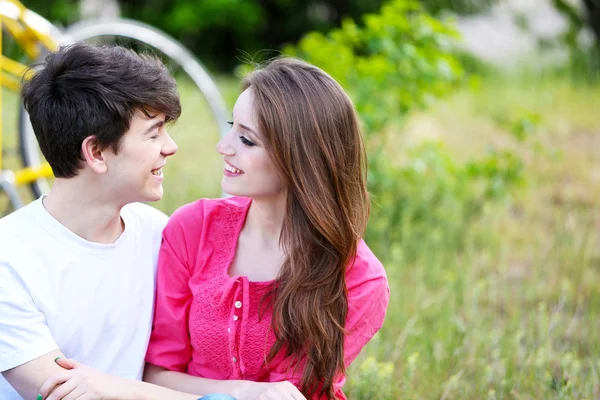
(156, 172)
(232, 169)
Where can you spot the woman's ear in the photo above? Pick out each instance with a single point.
(93, 154)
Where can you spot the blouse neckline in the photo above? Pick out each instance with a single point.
(235, 217)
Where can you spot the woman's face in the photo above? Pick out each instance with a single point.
(248, 169)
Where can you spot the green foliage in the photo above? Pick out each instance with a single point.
(372, 380)
(457, 6)
(397, 61)
(584, 60)
(431, 200)
(59, 12)
(217, 30)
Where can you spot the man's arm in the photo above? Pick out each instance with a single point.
(27, 378)
(27, 348)
(80, 381)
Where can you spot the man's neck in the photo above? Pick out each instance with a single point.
(83, 211)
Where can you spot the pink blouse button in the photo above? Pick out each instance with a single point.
(238, 304)
(235, 317)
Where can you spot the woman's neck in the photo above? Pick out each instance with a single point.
(265, 219)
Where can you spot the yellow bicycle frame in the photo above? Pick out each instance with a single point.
(32, 33)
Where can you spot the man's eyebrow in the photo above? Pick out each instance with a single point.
(157, 124)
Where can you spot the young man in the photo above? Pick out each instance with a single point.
(77, 266)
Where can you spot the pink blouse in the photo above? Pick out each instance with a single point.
(207, 323)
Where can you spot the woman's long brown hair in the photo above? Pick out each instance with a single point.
(312, 134)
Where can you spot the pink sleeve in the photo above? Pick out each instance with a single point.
(368, 298)
(367, 306)
(169, 345)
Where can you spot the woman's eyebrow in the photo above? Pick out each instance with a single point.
(244, 127)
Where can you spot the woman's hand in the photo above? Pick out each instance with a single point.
(268, 391)
(80, 382)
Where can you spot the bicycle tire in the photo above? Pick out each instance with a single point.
(150, 37)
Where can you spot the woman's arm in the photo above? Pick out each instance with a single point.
(193, 384)
(241, 390)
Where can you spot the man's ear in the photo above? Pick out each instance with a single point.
(93, 155)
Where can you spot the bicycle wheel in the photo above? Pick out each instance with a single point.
(200, 97)
(46, 37)
(31, 155)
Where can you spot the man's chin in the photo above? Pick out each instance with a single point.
(152, 197)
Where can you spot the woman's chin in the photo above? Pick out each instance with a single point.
(231, 191)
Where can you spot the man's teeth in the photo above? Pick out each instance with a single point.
(157, 172)
(232, 169)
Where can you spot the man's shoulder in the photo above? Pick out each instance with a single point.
(18, 223)
(19, 232)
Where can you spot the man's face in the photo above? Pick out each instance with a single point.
(135, 172)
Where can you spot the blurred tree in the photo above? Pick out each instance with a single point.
(99, 9)
(60, 12)
(588, 16)
(584, 61)
(464, 7)
(392, 63)
(218, 30)
(593, 13)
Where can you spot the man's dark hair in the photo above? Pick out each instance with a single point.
(85, 90)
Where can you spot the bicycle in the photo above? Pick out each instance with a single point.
(35, 36)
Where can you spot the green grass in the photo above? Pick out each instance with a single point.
(515, 312)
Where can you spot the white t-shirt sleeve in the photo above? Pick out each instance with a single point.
(24, 335)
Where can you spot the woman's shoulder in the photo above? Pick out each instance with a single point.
(366, 260)
(365, 269)
(205, 209)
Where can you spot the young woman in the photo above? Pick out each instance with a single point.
(274, 284)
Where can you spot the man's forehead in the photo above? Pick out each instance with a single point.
(148, 113)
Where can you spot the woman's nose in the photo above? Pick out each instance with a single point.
(224, 146)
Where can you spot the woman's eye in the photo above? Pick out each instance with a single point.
(246, 141)
(230, 123)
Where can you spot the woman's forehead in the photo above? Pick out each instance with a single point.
(243, 110)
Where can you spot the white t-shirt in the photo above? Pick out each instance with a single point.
(92, 301)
